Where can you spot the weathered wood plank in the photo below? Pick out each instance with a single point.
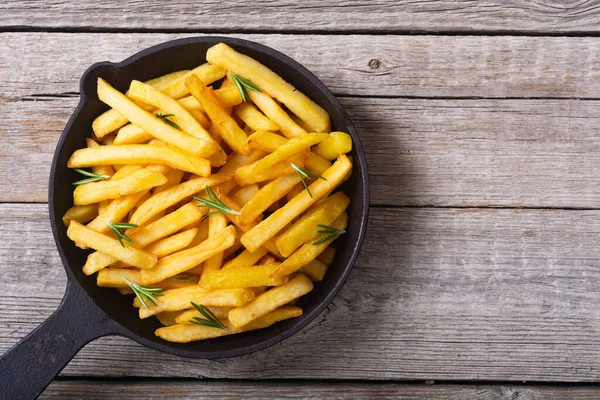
(534, 153)
(381, 15)
(420, 66)
(456, 294)
(73, 389)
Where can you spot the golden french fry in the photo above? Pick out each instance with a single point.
(216, 223)
(116, 211)
(94, 192)
(132, 134)
(81, 214)
(97, 241)
(170, 197)
(255, 276)
(183, 260)
(310, 250)
(254, 118)
(150, 123)
(229, 130)
(139, 154)
(167, 318)
(268, 81)
(100, 169)
(306, 227)
(172, 243)
(316, 163)
(266, 141)
(269, 227)
(201, 118)
(337, 143)
(326, 257)
(180, 299)
(200, 237)
(235, 219)
(186, 316)
(245, 194)
(276, 114)
(270, 300)
(268, 195)
(296, 190)
(246, 258)
(102, 206)
(246, 175)
(174, 177)
(188, 333)
(115, 277)
(227, 96)
(208, 73)
(315, 270)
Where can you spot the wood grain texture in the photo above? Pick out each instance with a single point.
(533, 153)
(457, 294)
(416, 66)
(73, 389)
(321, 15)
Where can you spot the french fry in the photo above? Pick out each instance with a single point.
(296, 190)
(97, 241)
(183, 260)
(118, 277)
(266, 141)
(229, 130)
(100, 169)
(227, 96)
(167, 318)
(326, 257)
(201, 118)
(337, 143)
(269, 227)
(249, 277)
(268, 81)
(310, 250)
(172, 243)
(139, 154)
(174, 177)
(235, 219)
(245, 194)
(306, 227)
(81, 214)
(268, 195)
(316, 163)
(188, 333)
(102, 206)
(186, 316)
(270, 300)
(216, 223)
(247, 175)
(276, 114)
(151, 124)
(116, 211)
(174, 195)
(200, 237)
(94, 192)
(246, 258)
(180, 299)
(208, 73)
(254, 118)
(132, 134)
(315, 270)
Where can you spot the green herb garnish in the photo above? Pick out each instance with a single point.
(145, 293)
(305, 174)
(187, 278)
(209, 319)
(330, 231)
(215, 203)
(92, 177)
(242, 84)
(164, 118)
(116, 227)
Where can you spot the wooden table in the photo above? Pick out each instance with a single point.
(480, 273)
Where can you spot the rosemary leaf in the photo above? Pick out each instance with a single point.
(145, 293)
(164, 118)
(243, 84)
(116, 227)
(92, 177)
(214, 202)
(209, 319)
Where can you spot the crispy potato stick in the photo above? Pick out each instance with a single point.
(183, 260)
(255, 276)
(268, 195)
(266, 141)
(276, 114)
(306, 227)
(216, 223)
(149, 95)
(189, 333)
(316, 163)
(245, 194)
(254, 118)
(115, 278)
(309, 251)
(180, 299)
(337, 143)
(112, 119)
(228, 129)
(246, 176)
(139, 154)
(270, 300)
(326, 257)
(207, 73)
(174, 177)
(315, 270)
(170, 197)
(266, 260)
(237, 160)
(200, 237)
(97, 241)
(167, 318)
(186, 316)
(102, 206)
(268, 81)
(151, 124)
(173, 243)
(201, 118)
(296, 190)
(235, 219)
(81, 214)
(100, 169)
(132, 134)
(94, 192)
(268, 228)
(246, 258)
(116, 211)
(228, 97)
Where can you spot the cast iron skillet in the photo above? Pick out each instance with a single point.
(87, 311)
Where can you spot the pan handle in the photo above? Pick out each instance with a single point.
(31, 364)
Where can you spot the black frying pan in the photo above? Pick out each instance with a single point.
(87, 311)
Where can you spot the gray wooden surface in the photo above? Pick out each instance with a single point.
(481, 266)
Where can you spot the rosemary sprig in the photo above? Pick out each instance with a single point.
(164, 118)
(215, 203)
(116, 227)
(209, 319)
(305, 174)
(186, 278)
(242, 84)
(92, 177)
(330, 231)
(145, 293)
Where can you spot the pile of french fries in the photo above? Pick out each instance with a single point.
(215, 207)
